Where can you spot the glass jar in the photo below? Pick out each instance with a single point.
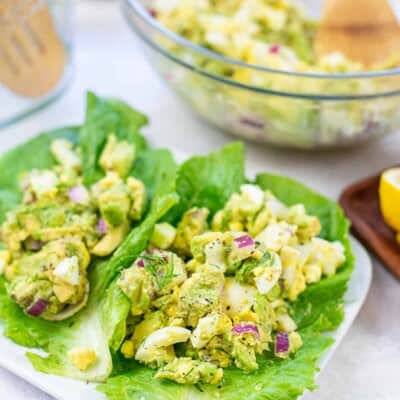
(35, 55)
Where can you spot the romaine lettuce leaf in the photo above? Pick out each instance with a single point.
(105, 116)
(318, 309)
(275, 380)
(20, 159)
(209, 181)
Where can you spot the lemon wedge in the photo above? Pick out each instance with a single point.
(389, 194)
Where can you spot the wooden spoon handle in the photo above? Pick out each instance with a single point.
(358, 13)
(364, 30)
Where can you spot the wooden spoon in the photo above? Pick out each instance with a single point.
(32, 56)
(366, 31)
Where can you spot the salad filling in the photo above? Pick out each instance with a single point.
(208, 296)
(61, 224)
(269, 33)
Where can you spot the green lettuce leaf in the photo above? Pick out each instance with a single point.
(105, 116)
(318, 309)
(209, 181)
(19, 160)
(275, 380)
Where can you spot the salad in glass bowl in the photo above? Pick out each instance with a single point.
(249, 67)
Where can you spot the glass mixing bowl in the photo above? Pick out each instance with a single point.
(290, 109)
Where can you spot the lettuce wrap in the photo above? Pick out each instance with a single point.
(156, 168)
(208, 182)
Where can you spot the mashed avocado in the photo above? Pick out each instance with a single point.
(218, 295)
(51, 237)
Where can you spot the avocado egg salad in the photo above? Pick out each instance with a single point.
(219, 294)
(50, 238)
(270, 86)
(165, 281)
(268, 33)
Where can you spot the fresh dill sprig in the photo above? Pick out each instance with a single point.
(160, 268)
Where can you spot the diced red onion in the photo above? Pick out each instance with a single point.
(274, 49)
(38, 307)
(32, 244)
(101, 226)
(252, 122)
(281, 342)
(140, 263)
(244, 241)
(79, 194)
(243, 328)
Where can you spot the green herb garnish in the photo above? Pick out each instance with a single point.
(160, 268)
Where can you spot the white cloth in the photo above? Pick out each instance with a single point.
(109, 61)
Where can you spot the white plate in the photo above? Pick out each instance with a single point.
(12, 356)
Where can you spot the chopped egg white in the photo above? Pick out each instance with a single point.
(253, 195)
(291, 263)
(208, 327)
(286, 323)
(277, 235)
(43, 181)
(163, 337)
(64, 154)
(215, 254)
(330, 255)
(68, 270)
(266, 278)
(277, 209)
(237, 298)
(312, 273)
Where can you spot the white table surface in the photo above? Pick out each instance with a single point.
(366, 366)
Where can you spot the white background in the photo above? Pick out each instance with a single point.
(366, 366)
